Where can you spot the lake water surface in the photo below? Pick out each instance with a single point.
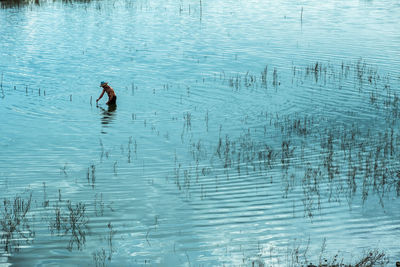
(246, 132)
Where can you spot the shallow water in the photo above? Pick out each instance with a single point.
(245, 131)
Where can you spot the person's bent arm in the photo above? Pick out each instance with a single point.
(102, 93)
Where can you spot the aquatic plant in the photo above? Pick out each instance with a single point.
(71, 220)
(299, 254)
(99, 205)
(15, 222)
(110, 235)
(17, 3)
(99, 257)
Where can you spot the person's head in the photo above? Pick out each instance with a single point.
(103, 84)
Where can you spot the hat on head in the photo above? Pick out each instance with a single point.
(103, 83)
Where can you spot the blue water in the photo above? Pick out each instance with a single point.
(176, 175)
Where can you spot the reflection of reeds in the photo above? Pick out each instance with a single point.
(24, 3)
(298, 254)
(45, 201)
(350, 160)
(99, 205)
(187, 121)
(109, 238)
(99, 257)
(1, 85)
(249, 80)
(275, 81)
(17, 3)
(264, 77)
(93, 172)
(129, 149)
(15, 224)
(77, 225)
(301, 16)
(64, 169)
(71, 220)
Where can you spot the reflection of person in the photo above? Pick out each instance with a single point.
(112, 98)
(108, 114)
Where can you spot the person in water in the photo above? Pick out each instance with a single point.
(112, 98)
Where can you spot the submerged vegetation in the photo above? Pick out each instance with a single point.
(16, 227)
(295, 257)
(309, 149)
(25, 3)
(314, 157)
(205, 162)
(65, 219)
(17, 3)
(72, 222)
